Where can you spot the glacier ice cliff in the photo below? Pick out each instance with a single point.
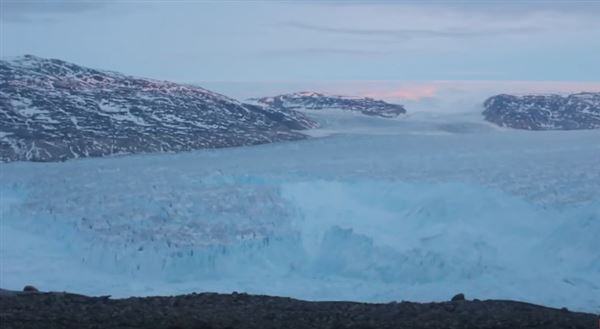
(390, 210)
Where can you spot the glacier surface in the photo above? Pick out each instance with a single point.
(417, 208)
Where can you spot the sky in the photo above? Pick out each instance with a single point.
(400, 50)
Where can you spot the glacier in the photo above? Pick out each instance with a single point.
(416, 208)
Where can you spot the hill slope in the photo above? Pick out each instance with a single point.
(53, 110)
(317, 101)
(545, 112)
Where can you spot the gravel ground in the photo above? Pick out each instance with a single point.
(212, 311)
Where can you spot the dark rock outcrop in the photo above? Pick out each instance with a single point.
(551, 112)
(458, 297)
(51, 110)
(30, 289)
(317, 101)
(238, 310)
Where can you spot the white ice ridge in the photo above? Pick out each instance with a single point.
(403, 213)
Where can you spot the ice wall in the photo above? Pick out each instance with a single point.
(402, 215)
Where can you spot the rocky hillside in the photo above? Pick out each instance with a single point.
(214, 311)
(51, 110)
(317, 101)
(545, 112)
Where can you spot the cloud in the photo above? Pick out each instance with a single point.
(25, 10)
(414, 33)
(411, 93)
(324, 51)
(28, 10)
(429, 96)
(281, 40)
(491, 8)
(543, 87)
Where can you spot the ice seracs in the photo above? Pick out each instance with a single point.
(545, 112)
(365, 215)
(53, 110)
(311, 100)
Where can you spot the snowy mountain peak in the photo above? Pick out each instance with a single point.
(308, 94)
(545, 112)
(54, 110)
(310, 100)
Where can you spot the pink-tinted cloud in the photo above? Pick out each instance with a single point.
(411, 93)
(416, 91)
(434, 96)
(518, 87)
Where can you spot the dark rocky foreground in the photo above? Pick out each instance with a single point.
(209, 310)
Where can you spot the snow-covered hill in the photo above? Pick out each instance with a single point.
(53, 110)
(544, 112)
(317, 101)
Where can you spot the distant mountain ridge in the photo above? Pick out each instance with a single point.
(545, 112)
(53, 110)
(317, 101)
